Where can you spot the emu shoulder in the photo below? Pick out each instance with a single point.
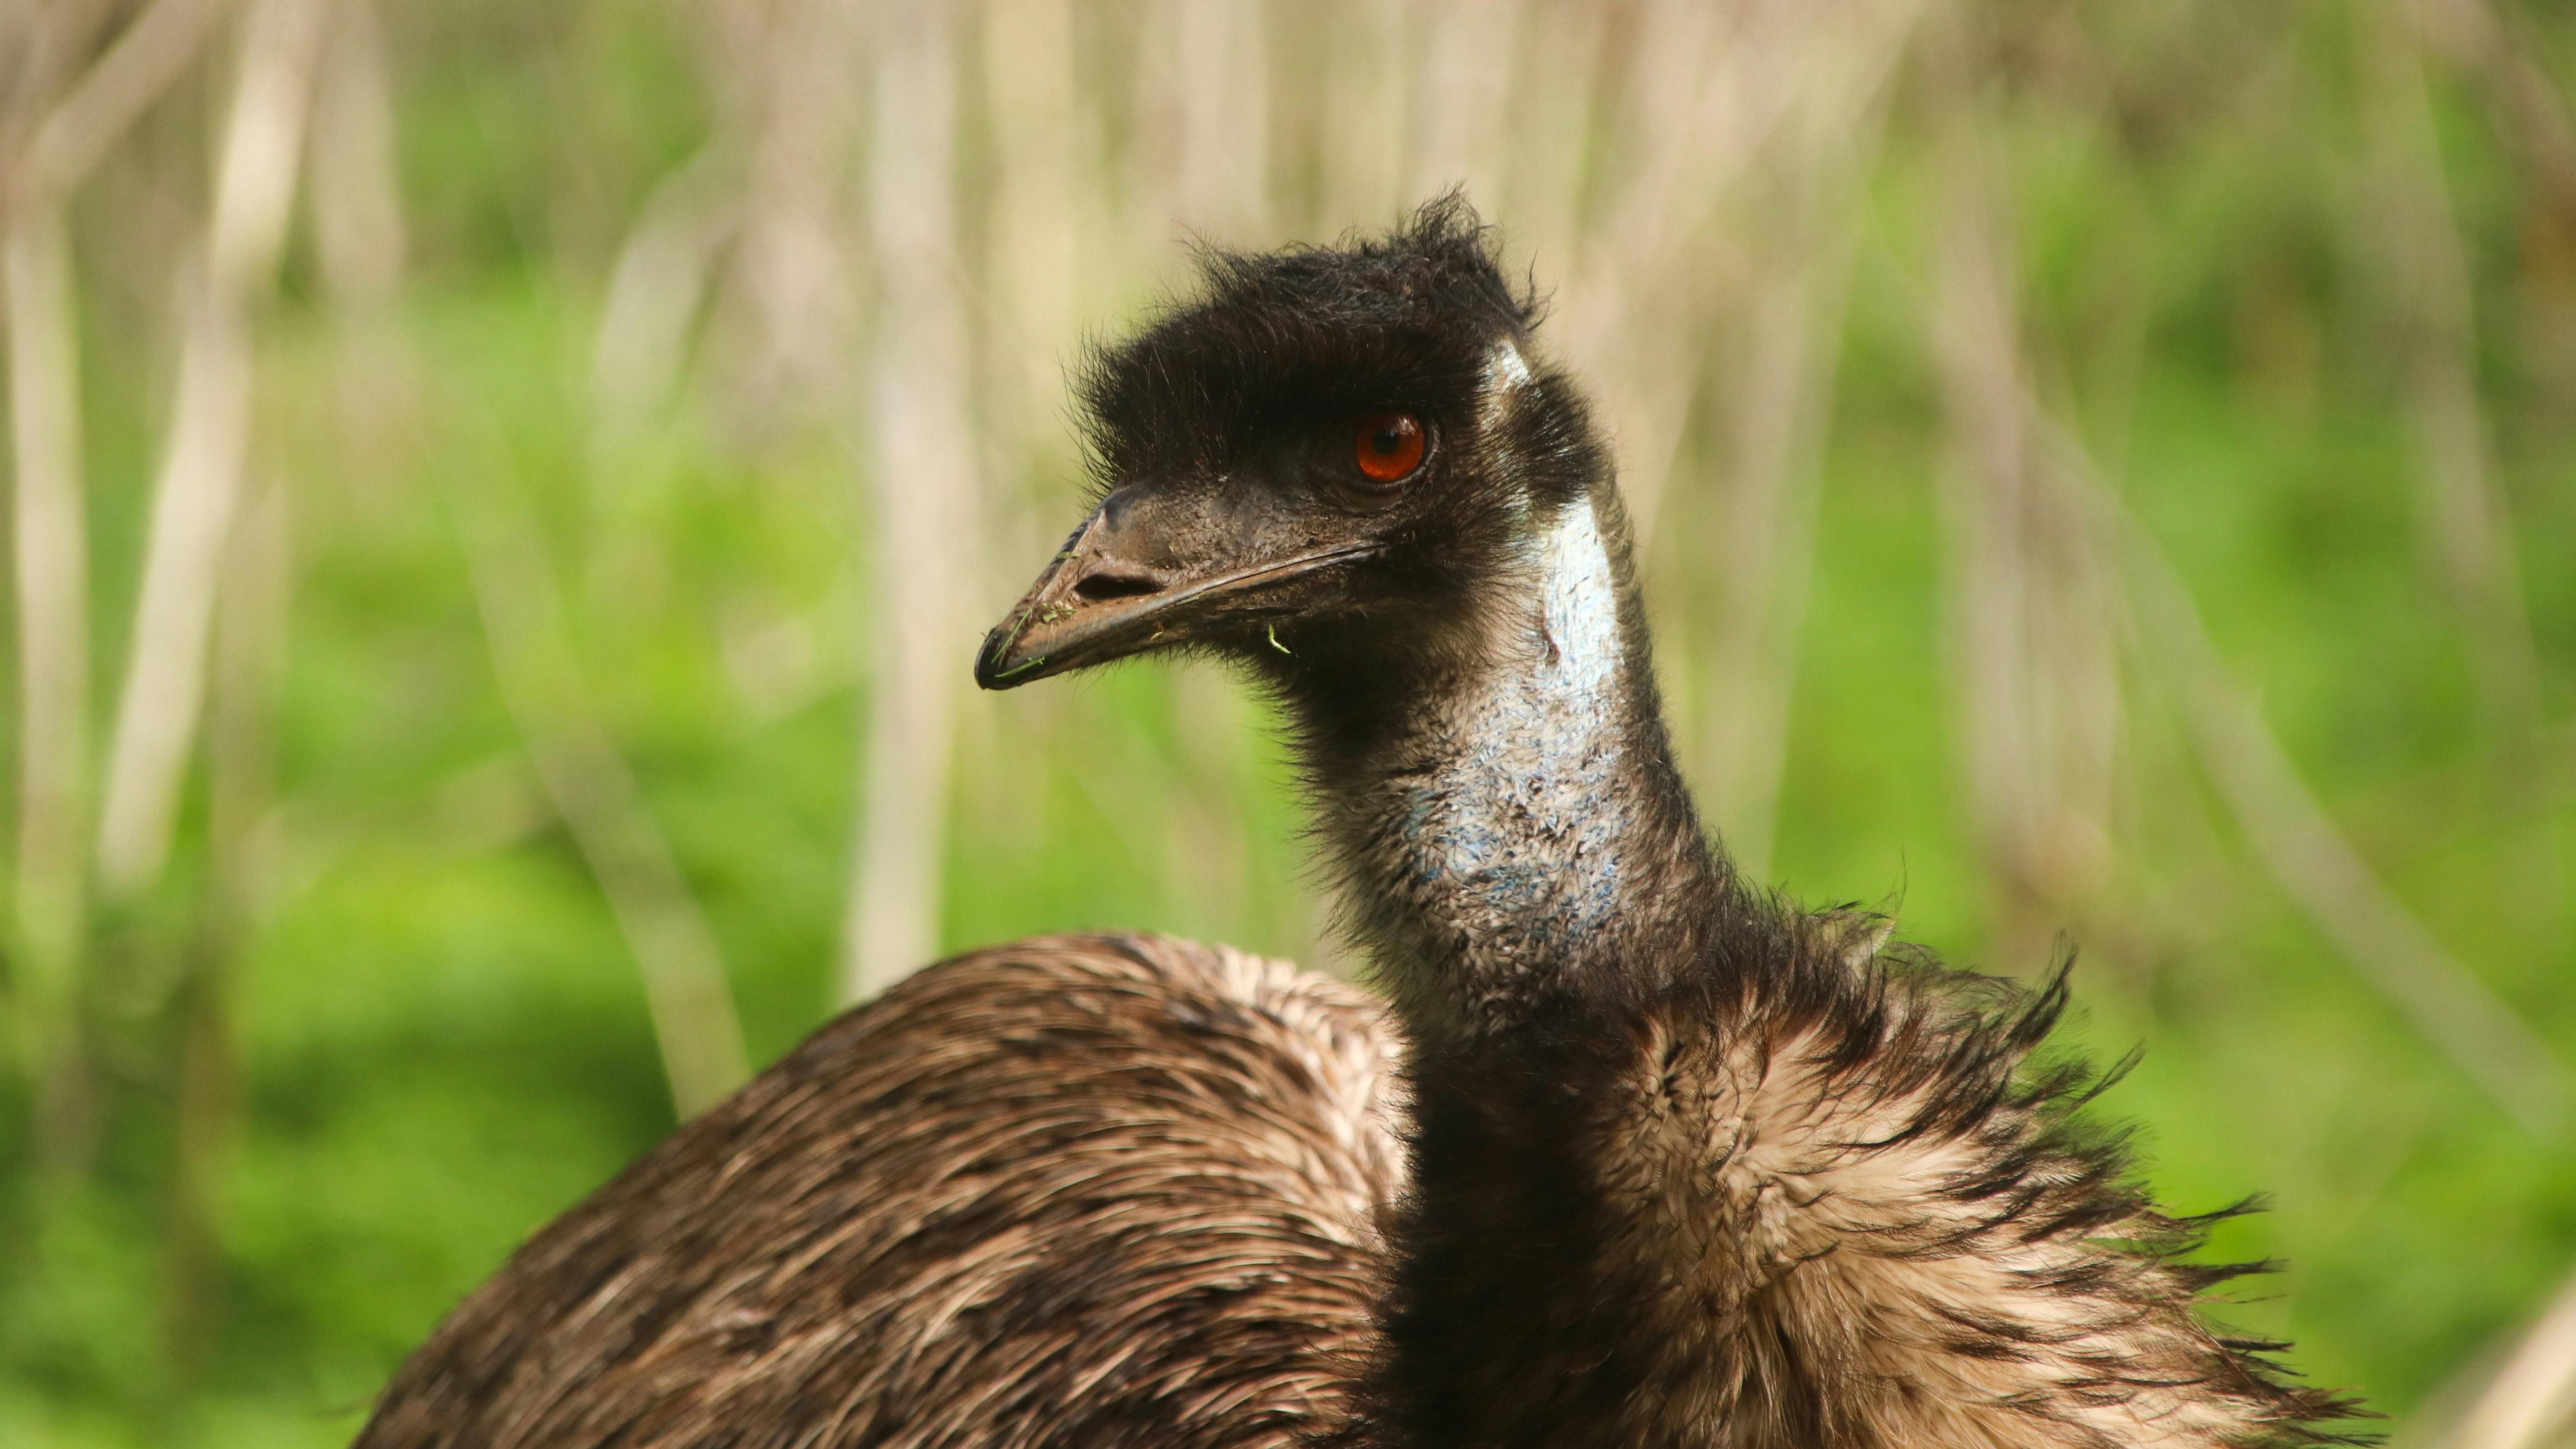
(1081, 1190)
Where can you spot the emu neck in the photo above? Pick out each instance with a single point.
(1515, 831)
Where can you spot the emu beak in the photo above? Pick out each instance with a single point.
(1125, 583)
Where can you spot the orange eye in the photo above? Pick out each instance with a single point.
(1390, 446)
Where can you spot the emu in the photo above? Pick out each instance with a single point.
(1635, 1153)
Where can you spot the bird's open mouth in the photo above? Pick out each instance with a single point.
(1098, 601)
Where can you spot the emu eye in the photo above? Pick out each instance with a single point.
(1390, 446)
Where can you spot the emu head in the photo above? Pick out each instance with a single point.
(1331, 466)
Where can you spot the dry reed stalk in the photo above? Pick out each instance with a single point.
(2530, 1399)
(2459, 500)
(656, 289)
(2031, 468)
(1469, 52)
(672, 268)
(752, 233)
(2032, 615)
(80, 128)
(2530, 109)
(1041, 223)
(1214, 86)
(39, 46)
(1774, 483)
(794, 253)
(358, 229)
(1044, 218)
(739, 264)
(1550, 120)
(1976, 337)
(52, 554)
(592, 788)
(926, 502)
(1769, 506)
(1366, 98)
(200, 477)
(249, 662)
(50, 534)
(1219, 95)
(1680, 99)
(359, 235)
(2445, 1003)
(53, 142)
(1707, 88)
(1038, 218)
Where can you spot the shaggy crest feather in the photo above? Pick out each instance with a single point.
(1273, 337)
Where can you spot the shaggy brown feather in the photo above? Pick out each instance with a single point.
(1077, 1191)
(1849, 1210)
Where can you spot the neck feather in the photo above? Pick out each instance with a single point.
(1516, 829)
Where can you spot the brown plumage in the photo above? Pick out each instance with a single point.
(1684, 1164)
(1082, 1190)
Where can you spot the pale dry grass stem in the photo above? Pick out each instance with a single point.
(594, 791)
(58, 127)
(2031, 597)
(209, 440)
(1767, 503)
(926, 498)
(2530, 1400)
(2049, 571)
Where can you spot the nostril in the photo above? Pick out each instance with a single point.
(1105, 586)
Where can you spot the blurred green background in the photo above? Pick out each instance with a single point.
(541, 471)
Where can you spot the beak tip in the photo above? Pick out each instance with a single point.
(995, 666)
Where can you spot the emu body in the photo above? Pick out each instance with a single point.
(1681, 1164)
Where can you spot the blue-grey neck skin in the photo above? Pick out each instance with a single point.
(1513, 837)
